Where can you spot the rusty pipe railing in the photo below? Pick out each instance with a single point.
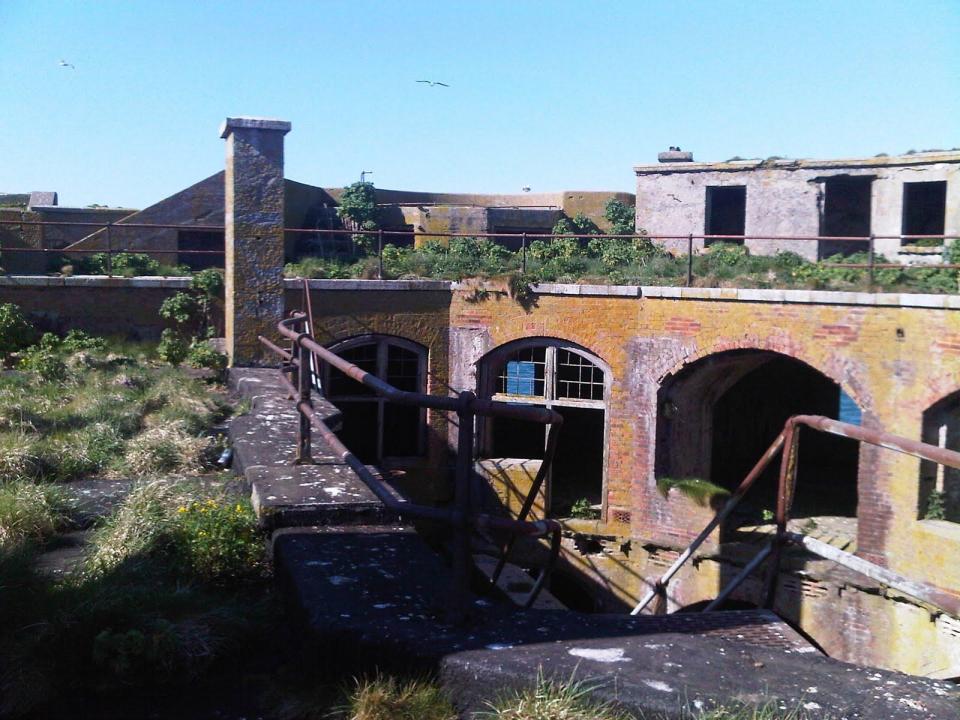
(788, 442)
(464, 516)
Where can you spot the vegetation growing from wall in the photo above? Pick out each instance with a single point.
(192, 317)
(634, 261)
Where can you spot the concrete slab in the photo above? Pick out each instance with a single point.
(324, 494)
(663, 674)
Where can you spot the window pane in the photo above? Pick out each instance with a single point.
(523, 373)
(577, 377)
(401, 430)
(403, 368)
(364, 357)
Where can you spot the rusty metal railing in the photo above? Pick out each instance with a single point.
(788, 442)
(465, 516)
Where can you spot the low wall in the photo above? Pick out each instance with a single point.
(126, 307)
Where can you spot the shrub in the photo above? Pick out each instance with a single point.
(77, 340)
(202, 355)
(172, 348)
(183, 309)
(45, 363)
(358, 203)
(583, 509)
(621, 217)
(217, 539)
(15, 332)
(125, 264)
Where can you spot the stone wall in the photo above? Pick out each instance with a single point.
(786, 197)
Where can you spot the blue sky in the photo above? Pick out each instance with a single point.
(551, 95)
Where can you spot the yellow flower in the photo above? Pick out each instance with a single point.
(181, 509)
(239, 508)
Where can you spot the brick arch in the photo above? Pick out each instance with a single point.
(781, 346)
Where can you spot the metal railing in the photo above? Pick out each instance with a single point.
(787, 442)
(465, 516)
(351, 245)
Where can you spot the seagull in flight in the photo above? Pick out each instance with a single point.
(64, 63)
(431, 83)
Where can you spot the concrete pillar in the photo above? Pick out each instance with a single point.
(254, 234)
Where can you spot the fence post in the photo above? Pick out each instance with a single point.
(523, 254)
(109, 252)
(380, 254)
(302, 359)
(689, 259)
(871, 254)
(463, 504)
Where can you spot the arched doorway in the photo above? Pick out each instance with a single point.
(718, 415)
(574, 382)
(372, 428)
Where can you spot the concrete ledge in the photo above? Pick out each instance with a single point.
(147, 281)
(432, 285)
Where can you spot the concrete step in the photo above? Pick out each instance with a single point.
(328, 493)
(516, 584)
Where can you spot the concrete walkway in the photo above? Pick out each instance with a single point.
(370, 592)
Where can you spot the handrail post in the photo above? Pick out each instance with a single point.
(380, 254)
(689, 259)
(871, 255)
(109, 252)
(463, 503)
(302, 361)
(785, 487)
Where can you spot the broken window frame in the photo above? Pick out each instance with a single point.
(491, 368)
(382, 344)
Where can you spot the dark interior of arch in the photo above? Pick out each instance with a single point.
(716, 419)
(941, 427)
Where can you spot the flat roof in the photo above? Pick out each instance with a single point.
(920, 158)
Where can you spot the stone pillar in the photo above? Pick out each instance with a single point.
(253, 218)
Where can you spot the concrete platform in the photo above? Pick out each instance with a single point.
(322, 494)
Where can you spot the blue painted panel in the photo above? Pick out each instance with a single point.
(849, 411)
(520, 377)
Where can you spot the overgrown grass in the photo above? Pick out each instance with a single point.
(88, 412)
(629, 261)
(29, 511)
(388, 698)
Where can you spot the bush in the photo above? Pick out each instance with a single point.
(46, 363)
(125, 264)
(217, 539)
(182, 309)
(621, 217)
(15, 332)
(202, 355)
(172, 348)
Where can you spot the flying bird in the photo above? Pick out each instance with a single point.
(64, 63)
(431, 83)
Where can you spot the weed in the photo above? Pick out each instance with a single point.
(15, 332)
(386, 698)
(553, 700)
(936, 506)
(702, 492)
(172, 348)
(583, 508)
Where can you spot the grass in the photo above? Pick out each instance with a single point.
(388, 698)
(29, 512)
(101, 413)
(550, 699)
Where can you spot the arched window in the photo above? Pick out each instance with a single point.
(940, 485)
(570, 380)
(374, 429)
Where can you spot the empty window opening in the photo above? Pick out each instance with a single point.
(209, 242)
(846, 213)
(939, 485)
(571, 382)
(924, 209)
(512, 237)
(718, 416)
(726, 212)
(372, 428)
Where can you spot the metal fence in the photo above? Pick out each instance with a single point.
(346, 245)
